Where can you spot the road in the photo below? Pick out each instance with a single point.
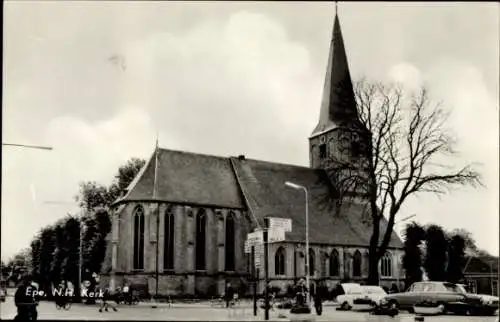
(191, 312)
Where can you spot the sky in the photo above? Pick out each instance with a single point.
(97, 81)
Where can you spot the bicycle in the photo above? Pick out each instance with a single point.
(217, 301)
(272, 302)
(63, 304)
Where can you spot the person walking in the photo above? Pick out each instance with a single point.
(127, 298)
(229, 294)
(25, 302)
(318, 299)
(106, 301)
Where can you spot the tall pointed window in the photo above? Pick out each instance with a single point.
(229, 244)
(334, 263)
(280, 261)
(138, 238)
(201, 220)
(356, 264)
(312, 267)
(386, 265)
(324, 259)
(322, 150)
(169, 232)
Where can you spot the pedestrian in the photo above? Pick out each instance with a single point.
(106, 301)
(228, 294)
(318, 299)
(126, 294)
(25, 300)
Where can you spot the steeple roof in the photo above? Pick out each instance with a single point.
(338, 105)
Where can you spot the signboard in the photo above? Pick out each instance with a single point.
(280, 223)
(276, 235)
(255, 237)
(259, 252)
(248, 247)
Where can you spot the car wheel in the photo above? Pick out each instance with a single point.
(411, 310)
(442, 308)
(394, 305)
(345, 306)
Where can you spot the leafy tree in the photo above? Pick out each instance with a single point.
(456, 259)
(93, 195)
(436, 253)
(59, 253)
(471, 248)
(403, 148)
(47, 247)
(126, 173)
(70, 264)
(55, 252)
(414, 236)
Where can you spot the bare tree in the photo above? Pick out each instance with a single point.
(399, 146)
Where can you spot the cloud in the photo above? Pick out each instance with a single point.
(204, 90)
(407, 75)
(228, 84)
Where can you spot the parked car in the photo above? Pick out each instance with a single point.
(375, 293)
(353, 297)
(449, 297)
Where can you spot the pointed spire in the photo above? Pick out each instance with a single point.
(338, 105)
(155, 188)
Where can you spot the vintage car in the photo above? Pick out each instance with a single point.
(441, 296)
(375, 293)
(353, 297)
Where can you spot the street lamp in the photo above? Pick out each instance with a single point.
(299, 187)
(29, 146)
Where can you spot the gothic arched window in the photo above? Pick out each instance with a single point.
(201, 221)
(312, 267)
(138, 238)
(229, 244)
(356, 264)
(386, 265)
(334, 263)
(280, 261)
(169, 232)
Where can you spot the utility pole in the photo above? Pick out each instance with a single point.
(266, 269)
(255, 281)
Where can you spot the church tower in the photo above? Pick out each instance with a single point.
(339, 138)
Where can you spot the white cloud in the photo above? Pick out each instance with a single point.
(407, 75)
(231, 84)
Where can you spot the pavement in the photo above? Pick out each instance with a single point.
(204, 311)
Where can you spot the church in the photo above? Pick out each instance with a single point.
(181, 225)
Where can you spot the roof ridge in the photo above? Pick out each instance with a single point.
(235, 157)
(137, 178)
(246, 197)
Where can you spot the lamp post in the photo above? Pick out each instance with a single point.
(299, 187)
(28, 146)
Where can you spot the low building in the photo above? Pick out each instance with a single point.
(481, 275)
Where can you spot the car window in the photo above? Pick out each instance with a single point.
(418, 287)
(428, 287)
(453, 288)
(374, 290)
